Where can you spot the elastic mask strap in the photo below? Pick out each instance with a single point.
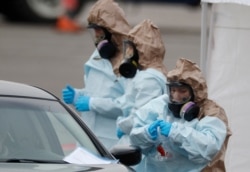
(134, 63)
(185, 108)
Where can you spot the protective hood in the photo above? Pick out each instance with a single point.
(189, 73)
(148, 41)
(108, 14)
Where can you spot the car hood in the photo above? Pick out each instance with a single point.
(30, 167)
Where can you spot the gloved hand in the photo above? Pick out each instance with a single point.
(82, 103)
(68, 94)
(119, 133)
(152, 129)
(165, 128)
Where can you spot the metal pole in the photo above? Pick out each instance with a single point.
(203, 52)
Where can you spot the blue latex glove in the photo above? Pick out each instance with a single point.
(68, 94)
(119, 133)
(152, 129)
(165, 128)
(82, 103)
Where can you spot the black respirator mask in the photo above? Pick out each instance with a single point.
(185, 109)
(102, 40)
(129, 65)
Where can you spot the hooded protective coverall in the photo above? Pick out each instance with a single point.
(99, 77)
(198, 145)
(149, 81)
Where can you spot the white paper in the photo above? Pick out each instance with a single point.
(82, 156)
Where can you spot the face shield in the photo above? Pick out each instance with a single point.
(179, 93)
(181, 99)
(102, 41)
(129, 64)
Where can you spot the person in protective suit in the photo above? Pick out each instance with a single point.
(143, 65)
(108, 26)
(183, 131)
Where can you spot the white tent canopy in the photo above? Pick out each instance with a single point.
(242, 2)
(226, 63)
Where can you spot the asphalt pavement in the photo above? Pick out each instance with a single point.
(171, 17)
(41, 56)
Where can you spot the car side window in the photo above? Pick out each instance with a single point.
(41, 130)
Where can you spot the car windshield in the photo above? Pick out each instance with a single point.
(39, 130)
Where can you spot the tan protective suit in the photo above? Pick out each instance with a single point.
(189, 73)
(108, 14)
(102, 85)
(150, 81)
(151, 50)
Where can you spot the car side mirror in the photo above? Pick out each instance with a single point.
(127, 154)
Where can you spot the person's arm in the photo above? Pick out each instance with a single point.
(146, 88)
(144, 117)
(203, 142)
(140, 136)
(87, 67)
(78, 92)
(102, 102)
(105, 106)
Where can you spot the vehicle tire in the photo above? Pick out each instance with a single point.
(36, 11)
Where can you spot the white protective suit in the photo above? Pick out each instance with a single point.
(198, 145)
(150, 81)
(99, 77)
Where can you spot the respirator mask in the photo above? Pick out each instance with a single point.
(129, 65)
(102, 40)
(181, 99)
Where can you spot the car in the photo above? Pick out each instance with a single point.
(38, 132)
(36, 11)
(48, 11)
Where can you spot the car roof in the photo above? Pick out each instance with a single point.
(9, 88)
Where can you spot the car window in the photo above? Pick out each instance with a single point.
(39, 129)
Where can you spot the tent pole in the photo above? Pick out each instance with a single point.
(203, 50)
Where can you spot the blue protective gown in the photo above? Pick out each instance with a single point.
(190, 146)
(145, 86)
(101, 83)
(105, 109)
(103, 86)
(150, 81)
